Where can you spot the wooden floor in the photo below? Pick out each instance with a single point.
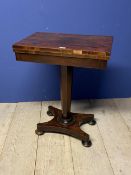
(24, 153)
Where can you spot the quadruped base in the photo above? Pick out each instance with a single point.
(69, 126)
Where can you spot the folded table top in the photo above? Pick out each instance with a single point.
(65, 49)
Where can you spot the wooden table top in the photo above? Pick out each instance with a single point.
(64, 49)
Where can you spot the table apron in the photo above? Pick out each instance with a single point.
(66, 61)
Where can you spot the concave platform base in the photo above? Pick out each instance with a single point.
(71, 127)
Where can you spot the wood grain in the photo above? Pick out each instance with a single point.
(65, 49)
(70, 44)
(7, 108)
(93, 160)
(66, 89)
(6, 115)
(19, 152)
(54, 152)
(72, 61)
(58, 154)
(115, 134)
(124, 107)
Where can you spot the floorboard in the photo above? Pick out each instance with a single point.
(93, 160)
(22, 152)
(6, 116)
(19, 153)
(124, 107)
(115, 134)
(54, 151)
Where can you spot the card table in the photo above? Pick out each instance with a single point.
(68, 51)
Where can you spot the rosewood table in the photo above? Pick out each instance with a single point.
(66, 50)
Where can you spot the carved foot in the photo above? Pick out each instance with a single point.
(86, 143)
(50, 111)
(39, 133)
(92, 122)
